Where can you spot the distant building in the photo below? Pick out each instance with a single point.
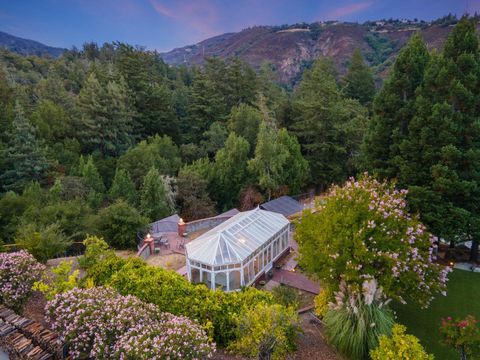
(284, 205)
(238, 251)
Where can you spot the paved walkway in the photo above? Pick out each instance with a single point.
(296, 280)
(3, 355)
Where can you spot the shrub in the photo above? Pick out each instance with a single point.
(266, 331)
(286, 296)
(355, 321)
(322, 300)
(363, 230)
(119, 223)
(96, 250)
(399, 346)
(43, 242)
(18, 273)
(61, 279)
(462, 334)
(171, 292)
(100, 323)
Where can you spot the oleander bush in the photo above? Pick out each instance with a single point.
(399, 346)
(18, 272)
(99, 323)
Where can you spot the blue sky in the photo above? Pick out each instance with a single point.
(166, 24)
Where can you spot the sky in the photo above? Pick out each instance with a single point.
(166, 24)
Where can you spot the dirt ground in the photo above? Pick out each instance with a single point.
(169, 262)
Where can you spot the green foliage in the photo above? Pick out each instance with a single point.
(106, 116)
(382, 47)
(357, 320)
(286, 296)
(266, 332)
(158, 151)
(463, 335)
(214, 139)
(96, 250)
(399, 346)
(393, 109)
(123, 188)
(172, 293)
(278, 163)
(119, 224)
(358, 82)
(93, 181)
(231, 170)
(363, 230)
(61, 279)
(322, 300)
(192, 196)
(43, 242)
(156, 199)
(23, 158)
(328, 127)
(244, 120)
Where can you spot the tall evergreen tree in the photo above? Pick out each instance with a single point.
(92, 179)
(278, 163)
(244, 120)
(23, 157)
(155, 201)
(123, 187)
(440, 158)
(393, 109)
(106, 116)
(231, 170)
(358, 82)
(328, 127)
(193, 198)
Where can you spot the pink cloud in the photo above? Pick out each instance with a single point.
(350, 9)
(199, 15)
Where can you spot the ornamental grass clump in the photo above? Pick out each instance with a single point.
(355, 320)
(102, 324)
(18, 272)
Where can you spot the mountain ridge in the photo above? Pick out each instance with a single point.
(291, 48)
(24, 46)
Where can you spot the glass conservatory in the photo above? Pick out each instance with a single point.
(235, 253)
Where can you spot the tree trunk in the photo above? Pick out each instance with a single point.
(474, 251)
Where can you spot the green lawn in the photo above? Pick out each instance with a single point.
(463, 298)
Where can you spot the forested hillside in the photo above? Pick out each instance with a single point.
(106, 139)
(27, 47)
(293, 48)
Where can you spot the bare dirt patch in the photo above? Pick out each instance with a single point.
(169, 262)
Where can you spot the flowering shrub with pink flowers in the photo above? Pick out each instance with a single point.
(100, 323)
(18, 272)
(462, 334)
(363, 230)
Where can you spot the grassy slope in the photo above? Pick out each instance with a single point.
(463, 298)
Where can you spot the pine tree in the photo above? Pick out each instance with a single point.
(23, 157)
(393, 109)
(231, 170)
(358, 82)
(440, 157)
(123, 187)
(328, 127)
(155, 202)
(93, 181)
(106, 116)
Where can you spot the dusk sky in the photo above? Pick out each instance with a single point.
(166, 24)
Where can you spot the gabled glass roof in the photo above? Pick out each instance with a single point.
(235, 239)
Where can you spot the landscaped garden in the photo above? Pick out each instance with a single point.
(463, 298)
